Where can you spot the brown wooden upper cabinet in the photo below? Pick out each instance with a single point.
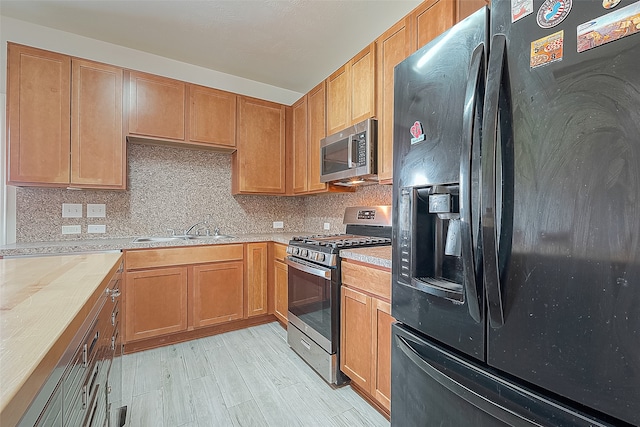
(212, 116)
(308, 129)
(157, 106)
(430, 19)
(64, 119)
(467, 7)
(258, 165)
(392, 47)
(351, 91)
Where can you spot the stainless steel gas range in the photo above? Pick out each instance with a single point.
(314, 286)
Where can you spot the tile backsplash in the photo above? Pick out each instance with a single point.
(175, 188)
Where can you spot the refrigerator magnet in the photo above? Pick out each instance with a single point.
(520, 9)
(417, 133)
(553, 12)
(547, 49)
(610, 4)
(610, 27)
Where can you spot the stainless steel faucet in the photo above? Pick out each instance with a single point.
(205, 225)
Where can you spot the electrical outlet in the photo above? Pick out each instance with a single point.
(327, 226)
(72, 210)
(93, 228)
(71, 229)
(278, 224)
(96, 210)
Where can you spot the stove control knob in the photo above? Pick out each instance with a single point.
(295, 251)
(319, 257)
(289, 249)
(303, 252)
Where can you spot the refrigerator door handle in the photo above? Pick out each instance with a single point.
(472, 120)
(461, 390)
(489, 215)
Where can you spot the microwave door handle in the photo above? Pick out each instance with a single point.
(350, 163)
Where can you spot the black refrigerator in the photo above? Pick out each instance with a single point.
(516, 223)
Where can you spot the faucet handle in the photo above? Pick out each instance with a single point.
(216, 231)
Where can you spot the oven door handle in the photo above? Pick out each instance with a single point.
(316, 271)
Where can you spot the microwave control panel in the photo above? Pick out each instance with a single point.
(360, 140)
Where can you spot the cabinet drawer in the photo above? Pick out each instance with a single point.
(371, 279)
(149, 258)
(279, 252)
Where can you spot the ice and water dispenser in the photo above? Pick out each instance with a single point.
(430, 241)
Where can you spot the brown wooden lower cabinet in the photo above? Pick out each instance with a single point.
(280, 282)
(173, 291)
(216, 293)
(155, 302)
(365, 330)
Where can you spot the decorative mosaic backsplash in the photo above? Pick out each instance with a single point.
(175, 188)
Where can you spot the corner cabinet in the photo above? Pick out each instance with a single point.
(64, 121)
(259, 163)
(365, 330)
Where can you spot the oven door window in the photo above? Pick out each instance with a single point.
(310, 300)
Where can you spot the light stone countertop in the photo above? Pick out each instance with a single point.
(100, 245)
(378, 255)
(42, 300)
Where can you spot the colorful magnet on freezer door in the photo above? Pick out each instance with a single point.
(520, 9)
(610, 4)
(553, 12)
(610, 27)
(547, 49)
(417, 132)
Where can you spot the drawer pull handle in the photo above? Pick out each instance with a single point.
(305, 344)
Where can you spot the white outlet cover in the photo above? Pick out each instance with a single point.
(94, 228)
(72, 210)
(278, 224)
(96, 210)
(327, 226)
(71, 229)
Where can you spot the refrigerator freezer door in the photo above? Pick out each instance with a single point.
(431, 386)
(570, 287)
(436, 285)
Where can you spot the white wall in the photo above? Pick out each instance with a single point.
(72, 44)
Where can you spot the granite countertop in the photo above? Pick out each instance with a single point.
(100, 245)
(378, 255)
(40, 298)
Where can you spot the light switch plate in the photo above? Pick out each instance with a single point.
(278, 224)
(72, 210)
(94, 228)
(71, 229)
(327, 226)
(96, 210)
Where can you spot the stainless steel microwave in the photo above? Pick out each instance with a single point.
(349, 157)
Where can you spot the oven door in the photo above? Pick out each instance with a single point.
(310, 302)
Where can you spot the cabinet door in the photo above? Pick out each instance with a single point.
(216, 293)
(212, 116)
(393, 47)
(381, 321)
(259, 161)
(467, 7)
(97, 140)
(300, 143)
(317, 125)
(281, 291)
(338, 90)
(38, 116)
(155, 302)
(256, 285)
(156, 106)
(431, 19)
(355, 337)
(362, 87)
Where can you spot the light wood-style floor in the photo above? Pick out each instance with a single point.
(243, 378)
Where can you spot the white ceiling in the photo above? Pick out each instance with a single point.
(292, 44)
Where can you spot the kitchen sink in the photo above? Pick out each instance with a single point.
(215, 237)
(183, 237)
(155, 239)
